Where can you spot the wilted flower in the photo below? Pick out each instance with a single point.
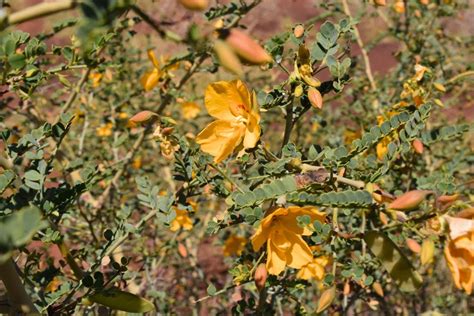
(104, 130)
(237, 124)
(283, 236)
(234, 245)
(190, 110)
(96, 77)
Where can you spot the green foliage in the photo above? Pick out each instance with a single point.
(18, 229)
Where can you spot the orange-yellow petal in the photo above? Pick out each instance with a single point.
(252, 133)
(299, 253)
(153, 59)
(150, 79)
(190, 110)
(220, 138)
(276, 259)
(222, 96)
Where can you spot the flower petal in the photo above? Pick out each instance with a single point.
(222, 95)
(299, 253)
(152, 57)
(252, 133)
(276, 259)
(220, 138)
(150, 79)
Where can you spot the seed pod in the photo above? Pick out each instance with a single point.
(409, 200)
(378, 289)
(315, 98)
(195, 5)
(313, 82)
(142, 116)
(417, 146)
(260, 276)
(227, 58)
(427, 251)
(246, 48)
(444, 199)
(413, 245)
(380, 2)
(326, 299)
(298, 31)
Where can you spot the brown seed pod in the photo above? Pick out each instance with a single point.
(142, 116)
(409, 200)
(246, 48)
(413, 245)
(228, 58)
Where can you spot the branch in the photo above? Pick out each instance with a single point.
(365, 56)
(38, 11)
(19, 300)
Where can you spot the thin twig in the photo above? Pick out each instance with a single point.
(365, 56)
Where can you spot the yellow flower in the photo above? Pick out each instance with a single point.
(459, 252)
(182, 220)
(314, 269)
(237, 114)
(190, 110)
(234, 245)
(150, 79)
(104, 130)
(96, 77)
(283, 236)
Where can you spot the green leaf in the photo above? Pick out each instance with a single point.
(33, 175)
(123, 301)
(5, 179)
(392, 259)
(211, 289)
(18, 228)
(17, 61)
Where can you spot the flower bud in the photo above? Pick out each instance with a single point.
(326, 299)
(417, 146)
(142, 116)
(246, 48)
(438, 86)
(227, 58)
(347, 289)
(380, 2)
(378, 289)
(399, 7)
(260, 276)
(409, 200)
(298, 91)
(195, 5)
(182, 250)
(298, 31)
(315, 98)
(413, 245)
(427, 251)
(383, 218)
